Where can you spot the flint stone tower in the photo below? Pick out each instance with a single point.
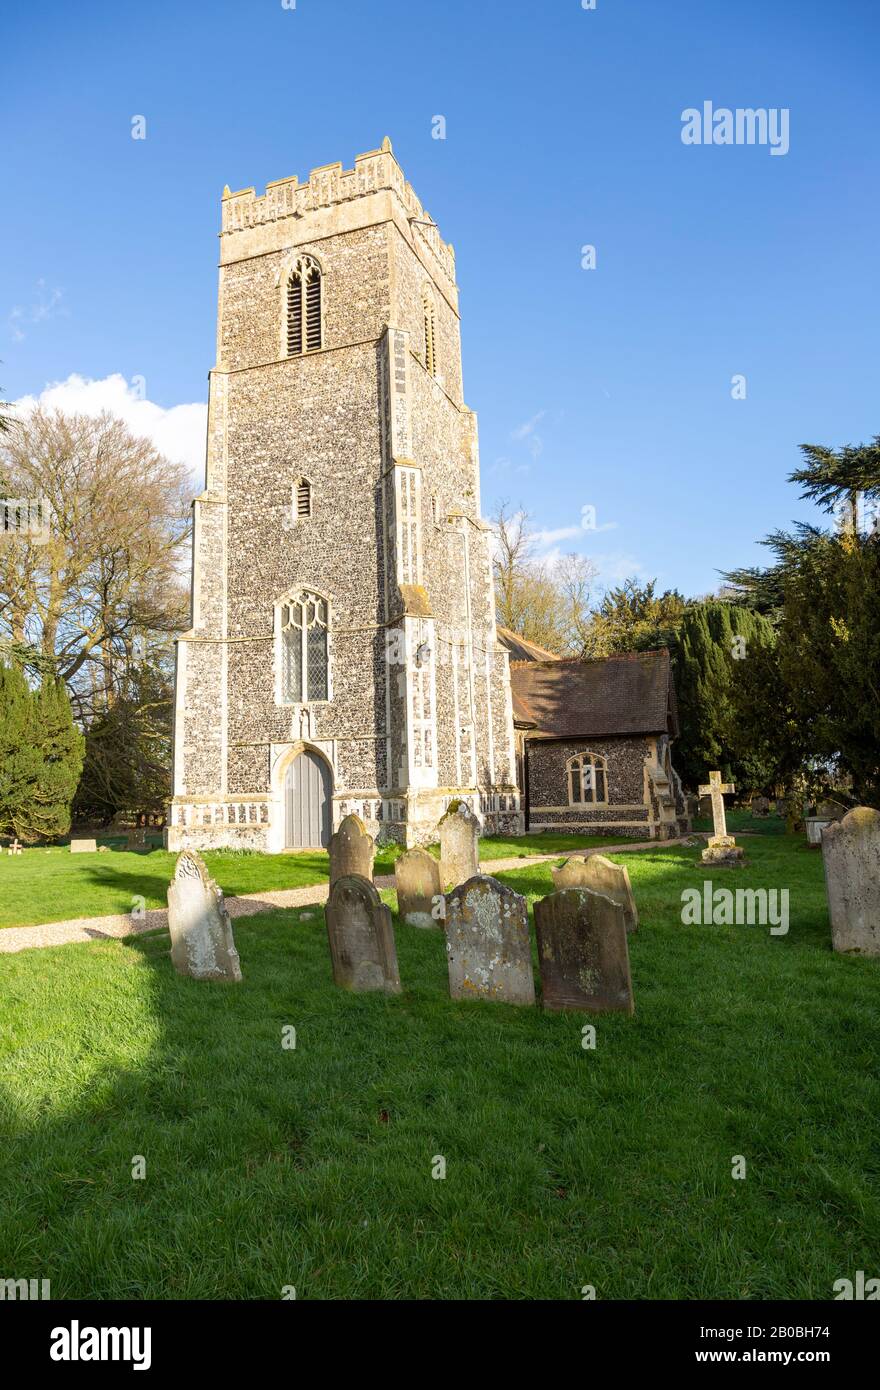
(343, 654)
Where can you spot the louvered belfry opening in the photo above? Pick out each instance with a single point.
(304, 321)
(303, 497)
(313, 308)
(294, 314)
(429, 335)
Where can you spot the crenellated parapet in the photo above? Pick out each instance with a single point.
(328, 187)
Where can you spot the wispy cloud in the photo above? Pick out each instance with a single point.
(45, 305)
(528, 431)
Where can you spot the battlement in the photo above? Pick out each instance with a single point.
(330, 185)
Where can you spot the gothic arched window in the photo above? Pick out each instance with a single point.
(587, 775)
(305, 657)
(304, 307)
(430, 352)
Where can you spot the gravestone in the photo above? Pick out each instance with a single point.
(722, 850)
(15, 847)
(459, 845)
(83, 847)
(417, 878)
(361, 937)
(851, 857)
(705, 807)
(488, 949)
(582, 952)
(352, 850)
(781, 807)
(202, 944)
(760, 807)
(600, 875)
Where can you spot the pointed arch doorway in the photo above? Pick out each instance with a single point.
(308, 792)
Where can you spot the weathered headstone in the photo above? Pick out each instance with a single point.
(760, 807)
(600, 875)
(361, 937)
(83, 847)
(352, 850)
(722, 850)
(15, 847)
(459, 845)
(582, 952)
(705, 807)
(417, 878)
(851, 857)
(202, 944)
(488, 948)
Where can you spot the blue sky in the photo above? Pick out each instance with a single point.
(606, 388)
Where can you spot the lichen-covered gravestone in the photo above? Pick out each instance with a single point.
(851, 856)
(361, 937)
(582, 952)
(488, 949)
(459, 845)
(760, 807)
(600, 875)
(202, 944)
(417, 878)
(352, 850)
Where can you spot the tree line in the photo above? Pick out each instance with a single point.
(777, 675)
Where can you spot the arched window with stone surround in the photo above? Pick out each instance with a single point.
(430, 326)
(587, 776)
(304, 290)
(305, 651)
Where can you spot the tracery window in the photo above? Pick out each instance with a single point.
(305, 654)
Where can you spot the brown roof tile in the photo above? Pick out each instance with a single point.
(627, 694)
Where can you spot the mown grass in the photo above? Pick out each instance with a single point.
(312, 1167)
(53, 885)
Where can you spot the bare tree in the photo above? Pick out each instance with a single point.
(547, 604)
(81, 600)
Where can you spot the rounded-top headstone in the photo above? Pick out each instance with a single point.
(488, 948)
(459, 844)
(352, 850)
(361, 937)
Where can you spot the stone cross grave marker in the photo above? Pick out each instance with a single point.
(417, 878)
(722, 848)
(361, 937)
(582, 952)
(488, 948)
(459, 845)
(851, 858)
(202, 944)
(15, 847)
(600, 875)
(352, 850)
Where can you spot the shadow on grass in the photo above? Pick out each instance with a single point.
(269, 1166)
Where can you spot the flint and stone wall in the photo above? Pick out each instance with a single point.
(395, 543)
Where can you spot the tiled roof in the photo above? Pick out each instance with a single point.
(627, 694)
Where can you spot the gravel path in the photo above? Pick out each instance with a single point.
(124, 924)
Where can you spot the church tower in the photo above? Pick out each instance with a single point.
(342, 654)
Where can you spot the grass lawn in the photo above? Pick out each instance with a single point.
(52, 885)
(268, 1167)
